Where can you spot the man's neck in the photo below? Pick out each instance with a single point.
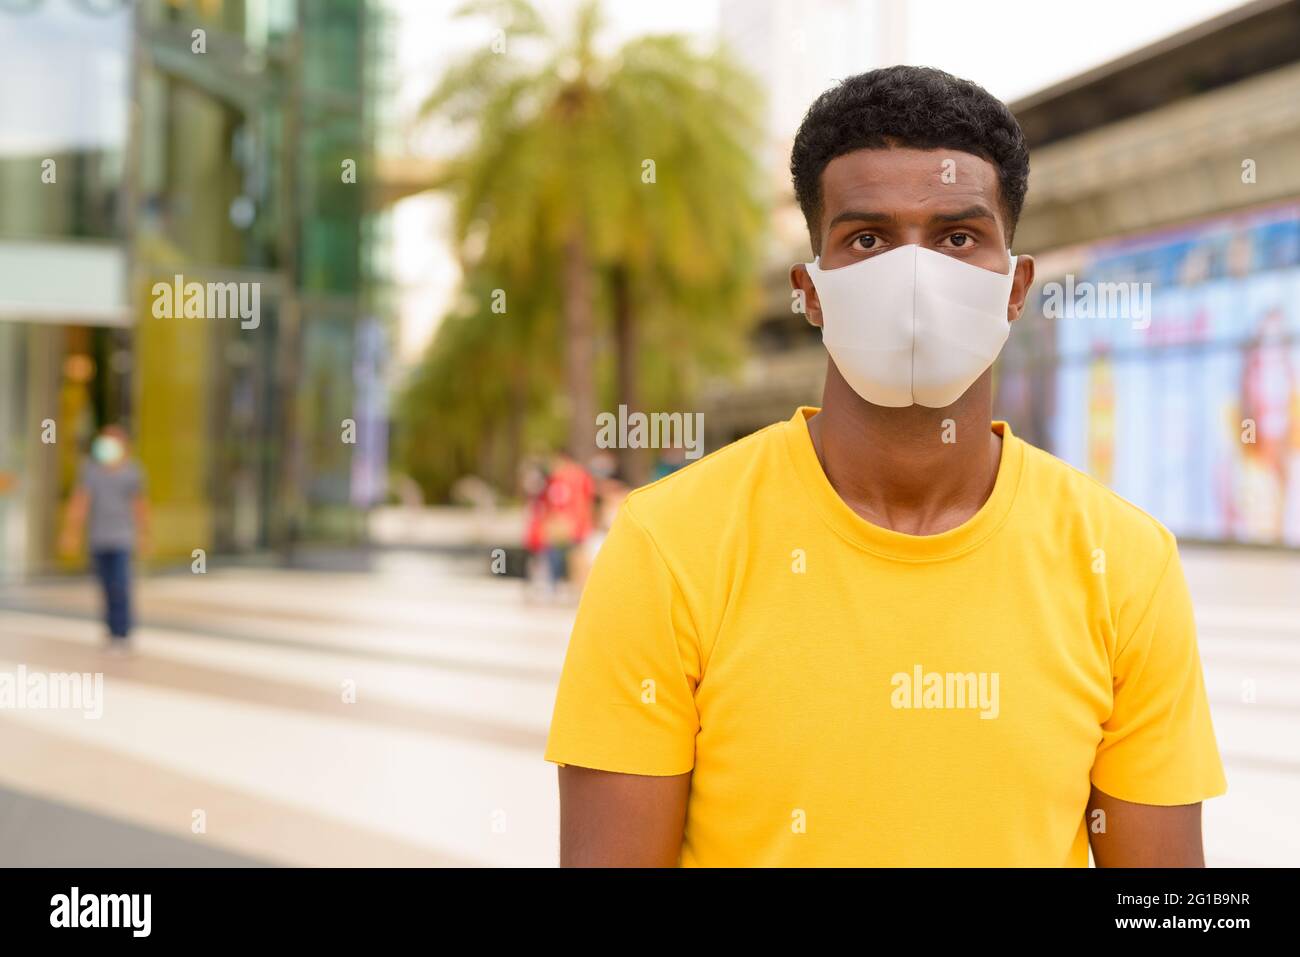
(914, 470)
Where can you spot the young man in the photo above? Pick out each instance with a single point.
(888, 632)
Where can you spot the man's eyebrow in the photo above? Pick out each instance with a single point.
(978, 211)
(861, 216)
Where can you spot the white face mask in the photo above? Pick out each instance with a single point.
(912, 326)
(107, 449)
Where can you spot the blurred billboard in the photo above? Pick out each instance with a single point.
(1191, 411)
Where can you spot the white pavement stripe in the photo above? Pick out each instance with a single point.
(418, 687)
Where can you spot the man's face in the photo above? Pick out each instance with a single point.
(874, 200)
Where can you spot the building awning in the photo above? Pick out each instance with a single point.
(69, 283)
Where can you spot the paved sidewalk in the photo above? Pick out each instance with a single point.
(234, 706)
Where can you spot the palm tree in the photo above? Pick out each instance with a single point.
(625, 182)
(466, 407)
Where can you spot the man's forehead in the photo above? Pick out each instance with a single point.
(885, 172)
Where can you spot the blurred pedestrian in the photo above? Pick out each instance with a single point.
(560, 519)
(109, 509)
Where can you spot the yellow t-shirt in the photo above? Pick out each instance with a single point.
(850, 695)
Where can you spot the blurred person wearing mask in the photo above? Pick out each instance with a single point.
(109, 508)
(887, 631)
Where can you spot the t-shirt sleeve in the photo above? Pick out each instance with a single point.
(1158, 744)
(626, 699)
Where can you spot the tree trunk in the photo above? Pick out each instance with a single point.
(632, 462)
(579, 348)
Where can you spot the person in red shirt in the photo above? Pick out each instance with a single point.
(561, 517)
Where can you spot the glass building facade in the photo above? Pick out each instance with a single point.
(64, 345)
(208, 140)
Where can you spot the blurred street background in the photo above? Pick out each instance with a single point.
(472, 229)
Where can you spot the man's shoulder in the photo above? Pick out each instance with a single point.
(693, 494)
(1078, 498)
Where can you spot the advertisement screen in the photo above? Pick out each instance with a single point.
(1172, 361)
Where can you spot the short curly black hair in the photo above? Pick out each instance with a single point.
(908, 106)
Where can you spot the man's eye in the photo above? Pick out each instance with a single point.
(960, 239)
(866, 242)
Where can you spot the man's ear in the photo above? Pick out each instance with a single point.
(1020, 287)
(803, 295)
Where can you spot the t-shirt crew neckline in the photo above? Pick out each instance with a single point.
(886, 542)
